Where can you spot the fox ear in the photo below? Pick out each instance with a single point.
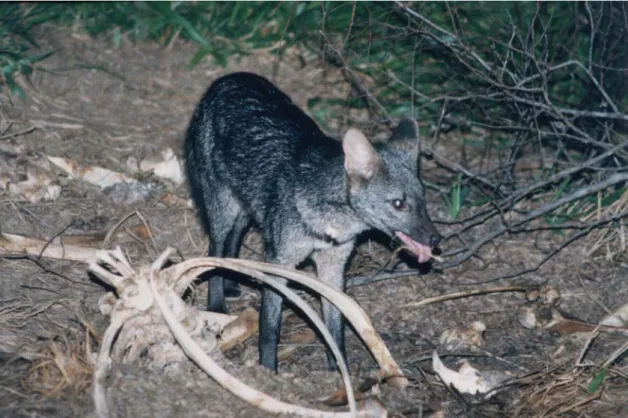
(406, 135)
(361, 159)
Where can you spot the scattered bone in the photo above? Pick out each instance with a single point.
(130, 194)
(11, 244)
(468, 379)
(168, 167)
(132, 165)
(36, 188)
(27, 178)
(172, 200)
(339, 397)
(96, 239)
(537, 313)
(79, 247)
(151, 294)
(356, 316)
(526, 316)
(10, 342)
(370, 404)
(563, 325)
(456, 338)
(547, 295)
(619, 318)
(45, 123)
(239, 330)
(97, 176)
(541, 312)
(106, 303)
(11, 147)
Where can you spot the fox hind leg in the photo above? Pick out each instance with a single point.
(232, 250)
(270, 314)
(227, 222)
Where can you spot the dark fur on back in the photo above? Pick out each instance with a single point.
(263, 141)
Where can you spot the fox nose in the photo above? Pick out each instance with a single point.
(435, 240)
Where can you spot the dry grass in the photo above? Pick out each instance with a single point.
(609, 243)
(571, 388)
(557, 392)
(65, 367)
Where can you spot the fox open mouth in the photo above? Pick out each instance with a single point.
(423, 252)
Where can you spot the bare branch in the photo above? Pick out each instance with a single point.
(578, 194)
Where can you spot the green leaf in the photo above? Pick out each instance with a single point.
(117, 38)
(561, 189)
(15, 89)
(198, 57)
(26, 69)
(597, 380)
(456, 199)
(9, 68)
(178, 20)
(221, 59)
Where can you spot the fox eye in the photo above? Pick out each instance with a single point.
(399, 204)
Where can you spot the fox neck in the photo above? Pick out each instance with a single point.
(323, 204)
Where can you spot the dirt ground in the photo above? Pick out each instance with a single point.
(100, 105)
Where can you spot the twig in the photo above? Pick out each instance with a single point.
(19, 133)
(578, 194)
(335, 58)
(464, 294)
(113, 229)
(51, 239)
(150, 233)
(522, 193)
(458, 168)
(562, 246)
(362, 280)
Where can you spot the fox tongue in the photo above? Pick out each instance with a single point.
(423, 252)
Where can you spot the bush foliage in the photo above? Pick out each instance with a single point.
(533, 77)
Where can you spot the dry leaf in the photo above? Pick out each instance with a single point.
(98, 176)
(456, 338)
(467, 379)
(239, 330)
(619, 318)
(39, 185)
(168, 167)
(172, 200)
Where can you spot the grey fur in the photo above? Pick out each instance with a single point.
(252, 155)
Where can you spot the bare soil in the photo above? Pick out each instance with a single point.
(100, 105)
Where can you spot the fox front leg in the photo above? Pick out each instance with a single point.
(330, 269)
(270, 315)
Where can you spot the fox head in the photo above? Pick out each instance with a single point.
(384, 187)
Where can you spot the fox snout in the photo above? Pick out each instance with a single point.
(430, 234)
(425, 232)
(421, 240)
(435, 239)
